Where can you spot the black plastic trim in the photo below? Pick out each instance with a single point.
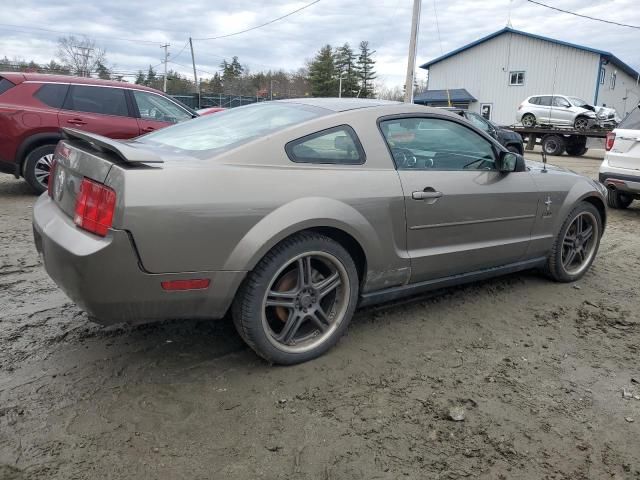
(403, 291)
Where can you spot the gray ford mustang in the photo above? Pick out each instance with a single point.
(289, 214)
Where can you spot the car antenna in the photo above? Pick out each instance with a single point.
(544, 160)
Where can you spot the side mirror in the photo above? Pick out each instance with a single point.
(507, 162)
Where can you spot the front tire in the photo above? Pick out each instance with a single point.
(37, 167)
(581, 123)
(576, 245)
(553, 145)
(618, 200)
(298, 301)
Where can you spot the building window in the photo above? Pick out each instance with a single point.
(603, 75)
(612, 82)
(516, 78)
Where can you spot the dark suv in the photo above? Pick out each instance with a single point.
(508, 138)
(34, 107)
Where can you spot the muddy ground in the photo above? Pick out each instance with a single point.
(538, 367)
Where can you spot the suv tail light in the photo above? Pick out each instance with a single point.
(94, 207)
(520, 106)
(611, 138)
(52, 175)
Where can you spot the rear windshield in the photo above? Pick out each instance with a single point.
(233, 127)
(5, 85)
(631, 121)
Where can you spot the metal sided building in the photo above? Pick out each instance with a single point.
(494, 74)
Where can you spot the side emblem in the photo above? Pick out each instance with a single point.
(548, 202)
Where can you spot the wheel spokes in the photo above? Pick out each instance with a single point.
(570, 257)
(587, 233)
(319, 317)
(281, 299)
(304, 272)
(328, 285)
(291, 327)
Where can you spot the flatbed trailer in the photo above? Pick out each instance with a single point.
(558, 140)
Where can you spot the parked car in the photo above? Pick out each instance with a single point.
(507, 138)
(291, 213)
(210, 110)
(34, 108)
(620, 169)
(556, 110)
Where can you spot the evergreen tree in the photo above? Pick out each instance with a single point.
(152, 78)
(140, 78)
(366, 72)
(322, 74)
(345, 60)
(103, 72)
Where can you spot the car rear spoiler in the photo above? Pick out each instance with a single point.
(123, 151)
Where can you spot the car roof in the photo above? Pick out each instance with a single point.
(341, 104)
(19, 77)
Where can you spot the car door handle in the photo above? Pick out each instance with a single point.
(76, 121)
(148, 129)
(426, 194)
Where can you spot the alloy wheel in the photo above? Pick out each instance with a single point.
(579, 243)
(42, 169)
(306, 301)
(528, 120)
(581, 123)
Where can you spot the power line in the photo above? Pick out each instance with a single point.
(26, 27)
(261, 25)
(585, 16)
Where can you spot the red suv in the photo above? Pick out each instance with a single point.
(33, 108)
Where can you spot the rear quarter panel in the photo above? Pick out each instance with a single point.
(226, 213)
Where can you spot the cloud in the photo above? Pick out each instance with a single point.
(289, 43)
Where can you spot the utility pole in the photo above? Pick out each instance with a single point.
(166, 59)
(340, 85)
(413, 45)
(195, 75)
(86, 52)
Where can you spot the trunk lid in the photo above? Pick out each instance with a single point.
(82, 154)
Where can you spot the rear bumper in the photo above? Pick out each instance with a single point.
(103, 276)
(623, 179)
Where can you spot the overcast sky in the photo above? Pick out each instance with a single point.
(290, 42)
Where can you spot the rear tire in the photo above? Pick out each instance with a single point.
(618, 200)
(528, 120)
(553, 144)
(37, 166)
(285, 314)
(559, 267)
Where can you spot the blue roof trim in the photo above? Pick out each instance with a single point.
(611, 57)
(436, 96)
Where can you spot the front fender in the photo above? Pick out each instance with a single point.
(298, 215)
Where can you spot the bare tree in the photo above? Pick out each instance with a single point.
(80, 55)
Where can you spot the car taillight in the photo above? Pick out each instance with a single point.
(94, 207)
(52, 175)
(191, 284)
(520, 106)
(611, 138)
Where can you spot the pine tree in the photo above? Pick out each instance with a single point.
(140, 78)
(152, 78)
(103, 72)
(322, 74)
(366, 72)
(345, 61)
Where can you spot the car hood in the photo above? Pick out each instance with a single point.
(539, 166)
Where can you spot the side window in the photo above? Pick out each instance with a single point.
(52, 94)
(103, 100)
(158, 108)
(560, 102)
(534, 100)
(338, 145)
(545, 101)
(436, 144)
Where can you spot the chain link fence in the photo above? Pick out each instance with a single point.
(217, 100)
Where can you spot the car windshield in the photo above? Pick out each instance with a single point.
(233, 127)
(577, 102)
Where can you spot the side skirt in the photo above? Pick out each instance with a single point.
(411, 289)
